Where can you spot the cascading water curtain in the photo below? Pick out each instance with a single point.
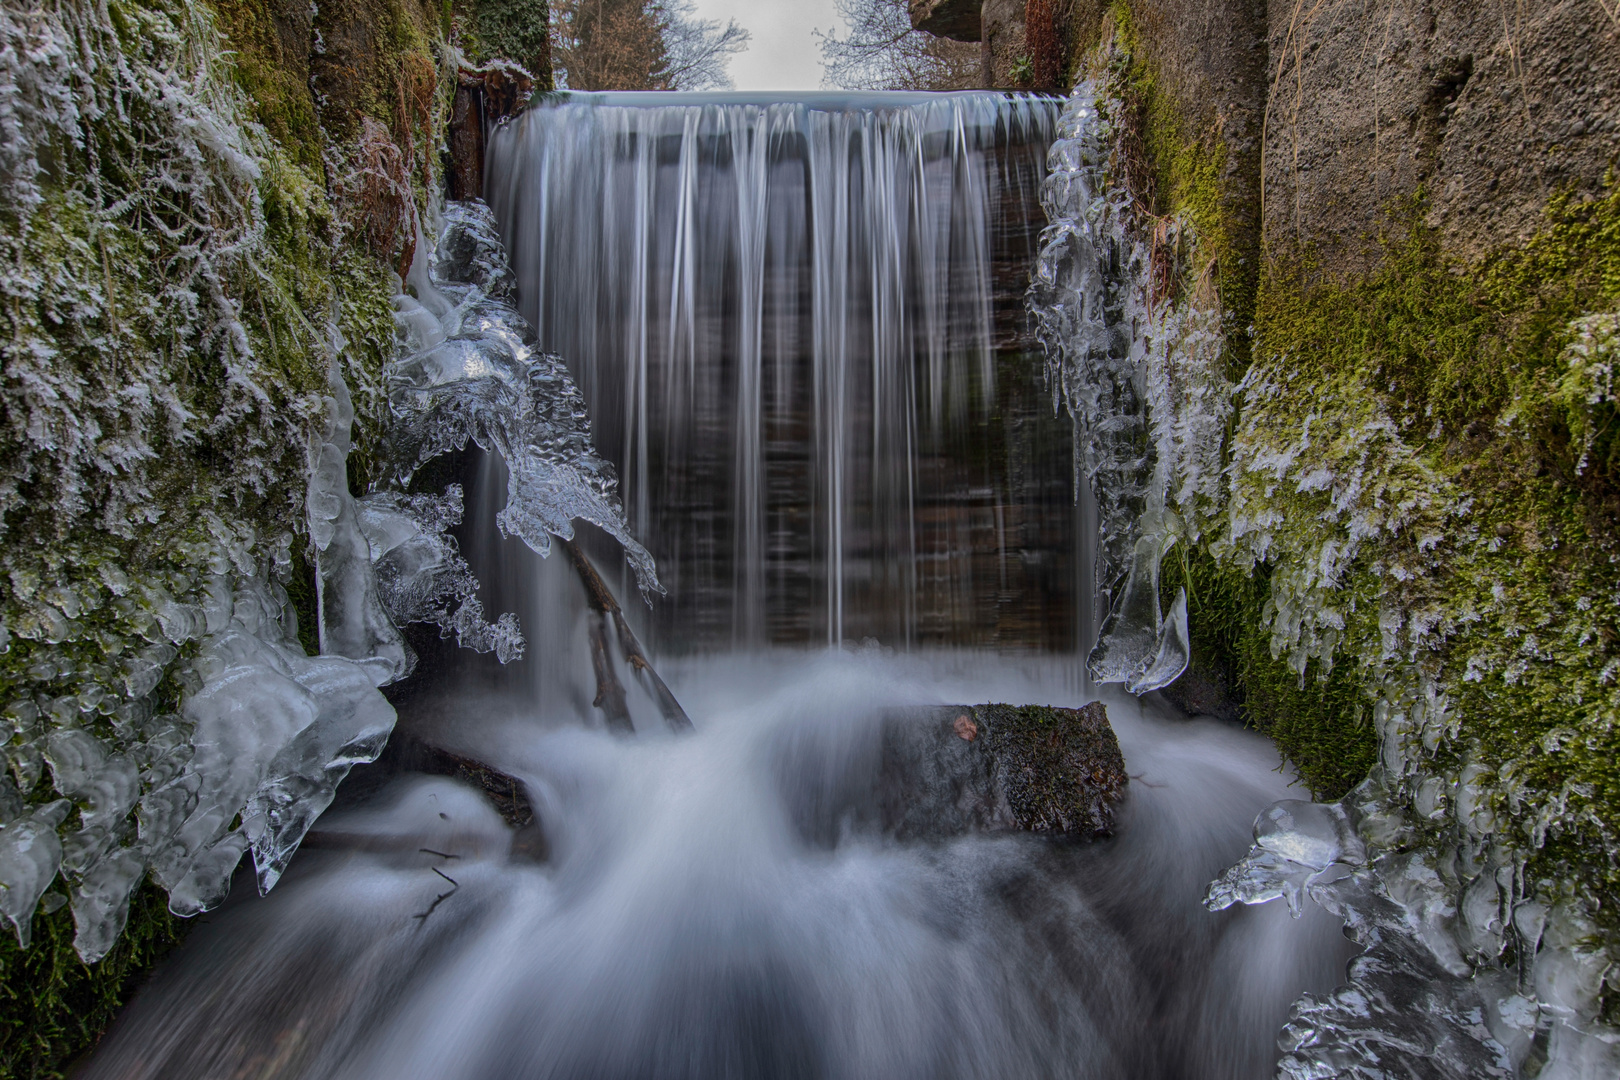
(777, 311)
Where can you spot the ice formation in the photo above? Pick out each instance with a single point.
(352, 620)
(1415, 1004)
(135, 610)
(264, 733)
(1141, 375)
(469, 370)
(421, 576)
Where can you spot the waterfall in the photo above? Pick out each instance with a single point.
(818, 294)
(799, 328)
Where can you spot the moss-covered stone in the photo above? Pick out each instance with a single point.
(1414, 561)
(947, 770)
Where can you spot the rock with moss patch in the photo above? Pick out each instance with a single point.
(949, 770)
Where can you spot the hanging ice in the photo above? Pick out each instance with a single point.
(273, 731)
(352, 620)
(469, 371)
(1141, 377)
(421, 576)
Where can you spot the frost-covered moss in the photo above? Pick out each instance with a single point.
(1498, 591)
(1414, 563)
(189, 240)
(1174, 161)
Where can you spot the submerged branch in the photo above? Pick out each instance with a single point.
(609, 693)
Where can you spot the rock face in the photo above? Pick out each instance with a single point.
(1490, 108)
(954, 19)
(950, 770)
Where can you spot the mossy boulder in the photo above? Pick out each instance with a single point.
(954, 769)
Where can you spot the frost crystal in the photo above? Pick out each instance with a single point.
(147, 398)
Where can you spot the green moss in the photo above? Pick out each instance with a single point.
(271, 42)
(165, 335)
(1175, 164)
(1510, 607)
(1322, 726)
(515, 30)
(1424, 497)
(300, 586)
(53, 1007)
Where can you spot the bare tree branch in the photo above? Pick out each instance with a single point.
(882, 52)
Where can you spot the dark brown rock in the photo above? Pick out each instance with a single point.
(1201, 692)
(954, 19)
(484, 96)
(950, 770)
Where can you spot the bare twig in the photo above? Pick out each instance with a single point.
(609, 691)
(437, 900)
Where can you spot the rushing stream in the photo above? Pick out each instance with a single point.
(786, 320)
(697, 918)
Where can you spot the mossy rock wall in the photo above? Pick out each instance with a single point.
(1409, 215)
(203, 208)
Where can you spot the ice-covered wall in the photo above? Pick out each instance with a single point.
(1144, 379)
(1408, 570)
(199, 307)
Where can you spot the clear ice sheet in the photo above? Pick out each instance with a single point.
(1414, 1005)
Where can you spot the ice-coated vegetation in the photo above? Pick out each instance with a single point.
(1143, 380)
(155, 438)
(1373, 555)
(185, 316)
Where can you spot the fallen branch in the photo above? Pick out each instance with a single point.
(609, 693)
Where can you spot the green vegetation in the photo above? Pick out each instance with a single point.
(53, 1006)
(1323, 727)
(1497, 377)
(1173, 160)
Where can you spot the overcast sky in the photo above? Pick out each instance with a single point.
(782, 55)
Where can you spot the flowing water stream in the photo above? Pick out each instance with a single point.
(799, 328)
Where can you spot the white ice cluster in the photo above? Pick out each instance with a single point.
(1413, 1006)
(469, 369)
(1141, 375)
(262, 737)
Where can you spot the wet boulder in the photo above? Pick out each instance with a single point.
(949, 770)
